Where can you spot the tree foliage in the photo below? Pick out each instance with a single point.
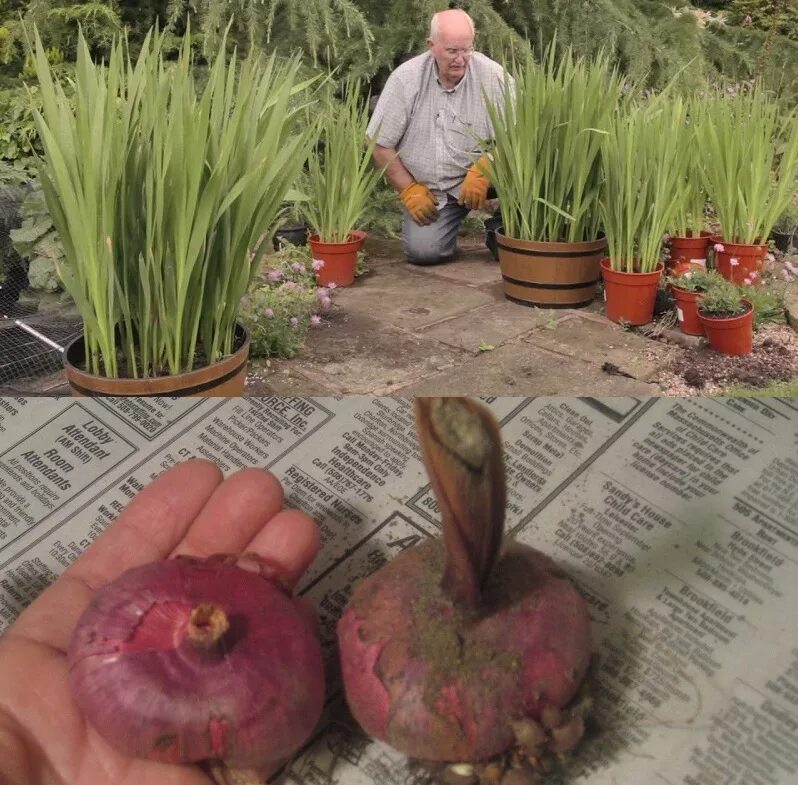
(652, 42)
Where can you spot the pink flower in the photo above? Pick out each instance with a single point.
(332, 285)
(275, 275)
(733, 262)
(786, 276)
(268, 313)
(315, 320)
(288, 286)
(317, 264)
(325, 302)
(294, 321)
(754, 275)
(298, 267)
(747, 281)
(747, 21)
(322, 292)
(719, 247)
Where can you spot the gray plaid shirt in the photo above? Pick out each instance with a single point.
(437, 131)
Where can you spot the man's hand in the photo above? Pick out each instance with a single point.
(420, 203)
(189, 510)
(474, 191)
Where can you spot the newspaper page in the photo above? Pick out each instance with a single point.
(677, 519)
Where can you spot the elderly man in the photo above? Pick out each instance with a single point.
(429, 122)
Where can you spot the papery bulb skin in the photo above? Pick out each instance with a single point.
(441, 682)
(186, 660)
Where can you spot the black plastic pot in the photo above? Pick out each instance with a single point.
(296, 234)
(492, 225)
(783, 240)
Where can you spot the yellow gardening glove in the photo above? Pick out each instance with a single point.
(474, 192)
(420, 203)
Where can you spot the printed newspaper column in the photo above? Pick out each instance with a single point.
(150, 417)
(550, 440)
(347, 481)
(241, 432)
(39, 474)
(661, 530)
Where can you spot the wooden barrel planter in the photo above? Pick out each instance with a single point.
(224, 378)
(550, 275)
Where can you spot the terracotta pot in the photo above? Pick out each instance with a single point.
(339, 259)
(549, 275)
(224, 378)
(630, 297)
(689, 249)
(737, 261)
(687, 311)
(730, 334)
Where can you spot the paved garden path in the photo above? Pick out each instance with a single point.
(409, 330)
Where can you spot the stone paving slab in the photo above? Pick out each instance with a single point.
(597, 341)
(401, 296)
(523, 369)
(496, 324)
(355, 354)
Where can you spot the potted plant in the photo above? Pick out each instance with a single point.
(163, 199)
(545, 165)
(785, 230)
(687, 288)
(688, 240)
(341, 179)
(727, 317)
(748, 145)
(644, 160)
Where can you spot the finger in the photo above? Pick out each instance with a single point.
(290, 542)
(146, 530)
(152, 524)
(238, 509)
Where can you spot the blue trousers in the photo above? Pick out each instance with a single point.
(436, 242)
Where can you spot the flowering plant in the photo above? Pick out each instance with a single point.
(549, 128)
(688, 219)
(340, 176)
(748, 146)
(158, 190)
(643, 157)
(284, 303)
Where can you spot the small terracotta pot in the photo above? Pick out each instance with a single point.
(689, 249)
(740, 261)
(224, 378)
(339, 259)
(687, 310)
(630, 297)
(731, 334)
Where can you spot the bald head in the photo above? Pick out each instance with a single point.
(453, 22)
(451, 41)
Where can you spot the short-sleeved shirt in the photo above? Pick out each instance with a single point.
(437, 131)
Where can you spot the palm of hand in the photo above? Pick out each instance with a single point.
(188, 510)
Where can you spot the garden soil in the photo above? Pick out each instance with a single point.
(448, 330)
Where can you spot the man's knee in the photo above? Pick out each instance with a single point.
(425, 248)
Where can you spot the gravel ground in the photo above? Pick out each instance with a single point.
(704, 372)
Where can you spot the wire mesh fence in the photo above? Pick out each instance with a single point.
(32, 339)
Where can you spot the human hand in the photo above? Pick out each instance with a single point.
(474, 191)
(189, 510)
(420, 203)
